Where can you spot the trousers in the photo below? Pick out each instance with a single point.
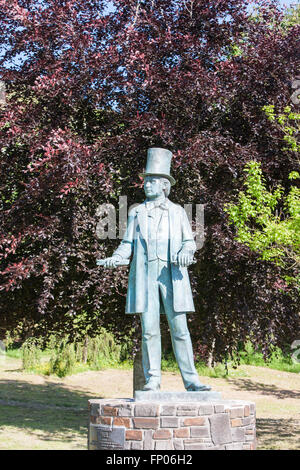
(161, 290)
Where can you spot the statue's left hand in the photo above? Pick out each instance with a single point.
(185, 258)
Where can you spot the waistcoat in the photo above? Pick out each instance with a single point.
(158, 234)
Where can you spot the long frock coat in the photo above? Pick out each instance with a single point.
(135, 240)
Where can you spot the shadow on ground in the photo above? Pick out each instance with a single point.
(287, 429)
(50, 411)
(265, 389)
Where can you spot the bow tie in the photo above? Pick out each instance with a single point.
(151, 205)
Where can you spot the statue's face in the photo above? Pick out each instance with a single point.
(153, 187)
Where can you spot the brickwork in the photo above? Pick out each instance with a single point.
(130, 425)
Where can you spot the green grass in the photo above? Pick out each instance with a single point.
(45, 368)
(249, 356)
(34, 422)
(277, 361)
(220, 370)
(16, 353)
(62, 357)
(46, 429)
(30, 419)
(168, 364)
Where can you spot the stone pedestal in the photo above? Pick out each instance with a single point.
(128, 424)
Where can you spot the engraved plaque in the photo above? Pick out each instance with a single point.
(110, 438)
(92, 438)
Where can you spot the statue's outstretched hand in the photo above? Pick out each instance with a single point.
(111, 262)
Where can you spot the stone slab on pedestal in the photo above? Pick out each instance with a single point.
(127, 424)
(176, 396)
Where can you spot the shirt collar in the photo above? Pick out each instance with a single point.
(162, 203)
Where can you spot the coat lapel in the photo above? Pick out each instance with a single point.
(142, 220)
(143, 224)
(173, 224)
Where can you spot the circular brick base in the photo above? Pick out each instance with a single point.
(130, 425)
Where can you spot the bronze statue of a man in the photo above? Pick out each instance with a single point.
(160, 238)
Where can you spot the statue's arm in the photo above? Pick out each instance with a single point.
(125, 248)
(188, 242)
(188, 248)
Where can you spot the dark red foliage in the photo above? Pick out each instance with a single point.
(90, 88)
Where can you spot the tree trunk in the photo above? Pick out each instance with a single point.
(210, 361)
(85, 350)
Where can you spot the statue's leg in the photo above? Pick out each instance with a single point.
(181, 339)
(183, 349)
(151, 340)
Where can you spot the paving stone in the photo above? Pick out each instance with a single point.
(238, 434)
(219, 408)
(146, 409)
(163, 445)
(127, 409)
(246, 421)
(148, 441)
(109, 410)
(234, 446)
(187, 410)
(104, 420)
(220, 428)
(205, 409)
(181, 432)
(250, 431)
(122, 421)
(178, 444)
(136, 445)
(95, 409)
(201, 431)
(146, 423)
(236, 422)
(206, 440)
(168, 410)
(199, 421)
(162, 434)
(133, 435)
(169, 422)
(237, 412)
(194, 445)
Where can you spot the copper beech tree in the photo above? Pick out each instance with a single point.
(90, 85)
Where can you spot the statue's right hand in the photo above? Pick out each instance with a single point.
(111, 262)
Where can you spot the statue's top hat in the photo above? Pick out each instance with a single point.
(159, 163)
